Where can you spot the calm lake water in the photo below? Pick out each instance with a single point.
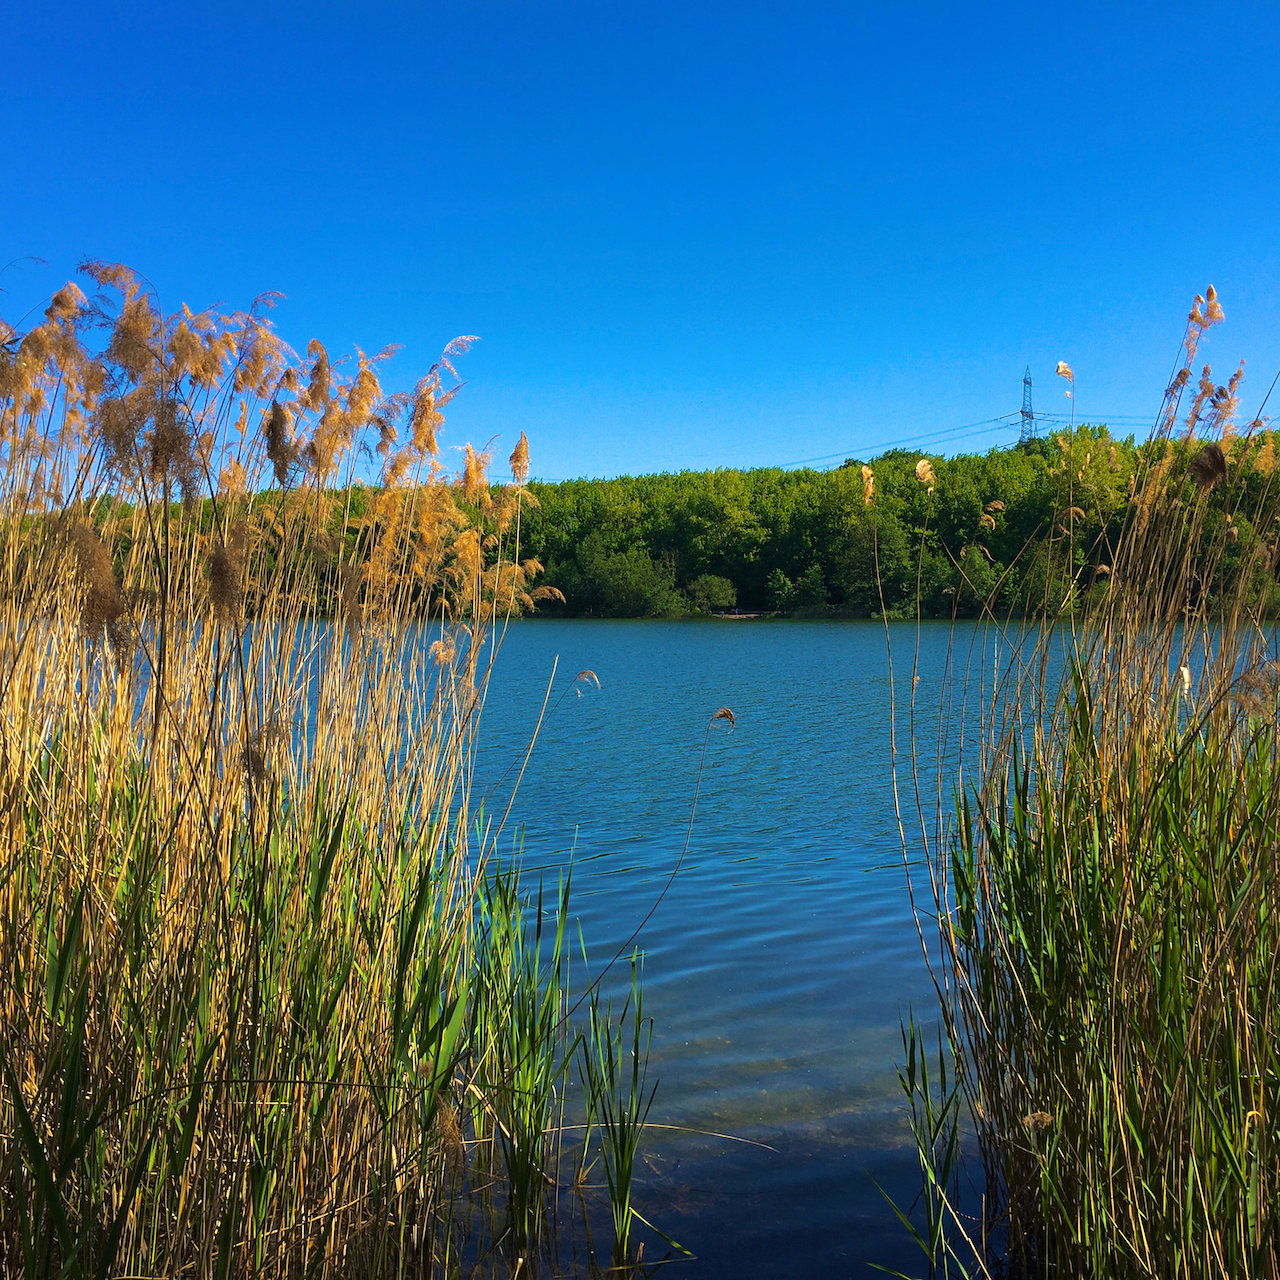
(783, 956)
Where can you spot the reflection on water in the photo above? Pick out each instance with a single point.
(781, 958)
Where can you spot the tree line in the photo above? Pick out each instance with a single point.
(1009, 529)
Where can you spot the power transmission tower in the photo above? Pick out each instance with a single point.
(1028, 414)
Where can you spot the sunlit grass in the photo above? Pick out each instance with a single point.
(1108, 899)
(272, 1006)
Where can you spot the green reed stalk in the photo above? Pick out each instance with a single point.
(935, 1104)
(523, 1047)
(1130, 984)
(620, 1110)
(1107, 896)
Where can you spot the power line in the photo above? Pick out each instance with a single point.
(1096, 419)
(940, 436)
(951, 433)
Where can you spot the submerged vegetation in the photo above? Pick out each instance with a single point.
(272, 1004)
(1107, 897)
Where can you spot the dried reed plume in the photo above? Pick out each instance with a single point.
(1209, 466)
(226, 571)
(519, 461)
(251, 1023)
(352, 610)
(101, 604)
(275, 432)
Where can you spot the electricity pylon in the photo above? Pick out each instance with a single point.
(1028, 414)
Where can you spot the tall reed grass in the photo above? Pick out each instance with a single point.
(271, 1005)
(1107, 892)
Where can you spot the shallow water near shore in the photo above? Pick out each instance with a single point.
(784, 954)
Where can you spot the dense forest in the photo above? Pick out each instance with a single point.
(1024, 529)
(1009, 527)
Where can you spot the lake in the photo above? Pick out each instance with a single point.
(783, 956)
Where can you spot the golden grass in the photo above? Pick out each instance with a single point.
(245, 904)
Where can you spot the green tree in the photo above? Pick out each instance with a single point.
(781, 593)
(707, 592)
(811, 590)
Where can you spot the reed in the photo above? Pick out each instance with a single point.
(523, 1049)
(620, 1114)
(266, 983)
(1107, 892)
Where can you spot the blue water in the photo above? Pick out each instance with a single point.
(784, 954)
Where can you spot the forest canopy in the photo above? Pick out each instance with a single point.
(1013, 528)
(1023, 529)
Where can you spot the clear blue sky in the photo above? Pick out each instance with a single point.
(689, 235)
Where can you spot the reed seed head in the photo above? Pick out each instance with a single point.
(135, 345)
(323, 547)
(101, 604)
(281, 452)
(474, 481)
(1209, 466)
(170, 444)
(226, 569)
(120, 422)
(1213, 312)
(66, 304)
(449, 1131)
(258, 751)
(1265, 459)
(425, 418)
(1255, 690)
(317, 393)
(352, 610)
(520, 459)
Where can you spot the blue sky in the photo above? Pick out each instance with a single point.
(688, 235)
